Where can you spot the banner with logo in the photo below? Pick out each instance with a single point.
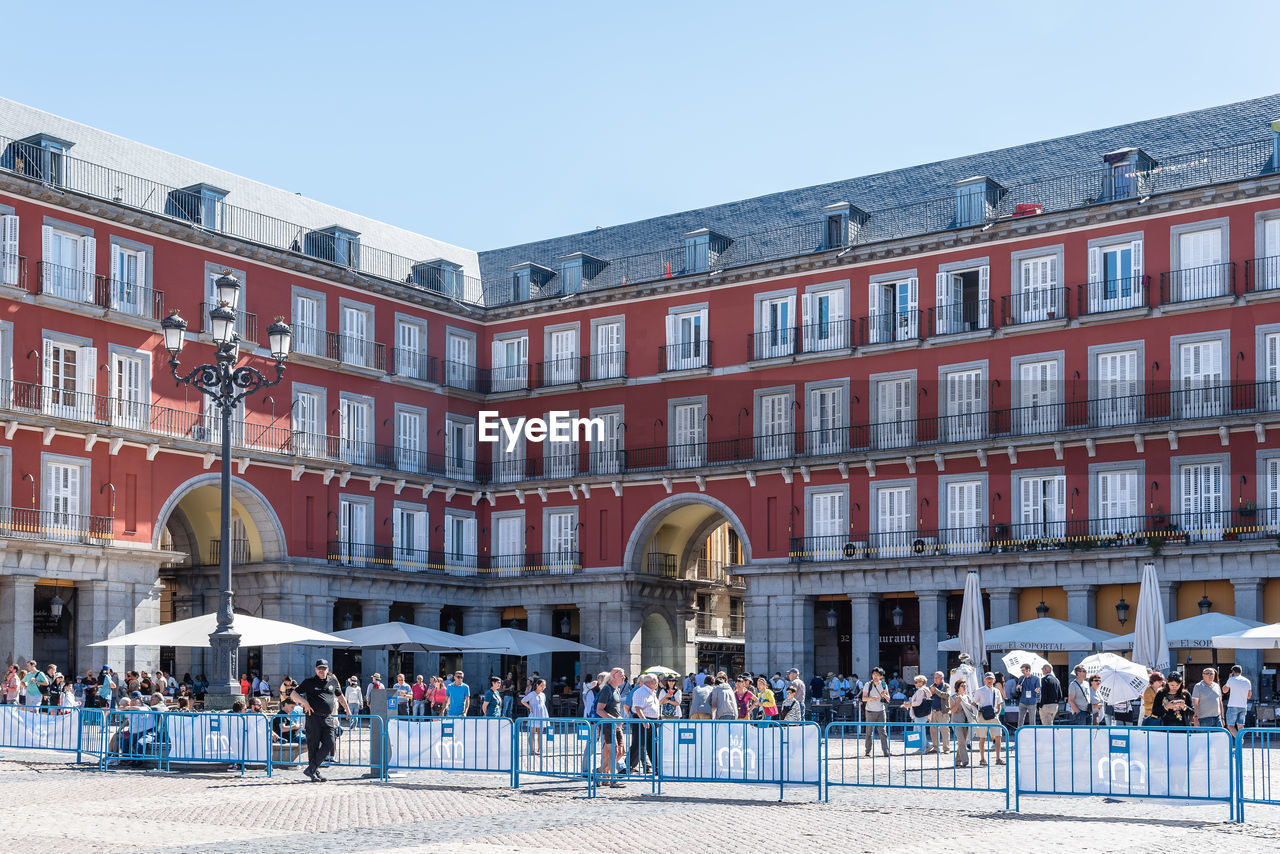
(1124, 762)
(742, 752)
(218, 737)
(450, 744)
(25, 726)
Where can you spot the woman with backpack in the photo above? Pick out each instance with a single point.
(920, 705)
(963, 715)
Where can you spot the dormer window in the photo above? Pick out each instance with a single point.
(840, 222)
(335, 243)
(702, 250)
(528, 280)
(1127, 171)
(199, 203)
(439, 275)
(41, 156)
(976, 200)
(1275, 147)
(578, 269)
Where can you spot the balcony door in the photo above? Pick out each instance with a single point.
(1200, 390)
(508, 545)
(1038, 406)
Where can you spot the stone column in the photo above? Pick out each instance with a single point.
(621, 635)
(1004, 605)
(17, 623)
(276, 659)
(760, 640)
(1248, 602)
(1169, 599)
(684, 631)
(866, 633)
(797, 646)
(373, 612)
(478, 665)
(428, 616)
(144, 602)
(1082, 604)
(539, 620)
(184, 608)
(933, 630)
(591, 633)
(99, 615)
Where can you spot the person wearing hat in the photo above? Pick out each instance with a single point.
(320, 695)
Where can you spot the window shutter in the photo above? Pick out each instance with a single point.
(88, 258)
(116, 271)
(806, 310)
(1273, 487)
(873, 299)
(913, 294)
(46, 256)
(9, 271)
(1273, 356)
(940, 326)
(1095, 264)
(87, 374)
(1137, 264)
(703, 333)
(984, 296)
(142, 269)
(673, 355)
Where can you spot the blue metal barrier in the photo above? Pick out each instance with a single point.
(360, 744)
(451, 744)
(223, 738)
(1257, 768)
(134, 737)
(64, 730)
(759, 752)
(1166, 763)
(855, 756)
(628, 753)
(568, 749)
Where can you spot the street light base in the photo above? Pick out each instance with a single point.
(221, 702)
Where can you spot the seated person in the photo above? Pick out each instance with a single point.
(287, 725)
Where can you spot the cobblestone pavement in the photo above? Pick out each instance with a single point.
(213, 811)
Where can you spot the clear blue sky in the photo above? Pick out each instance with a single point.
(493, 124)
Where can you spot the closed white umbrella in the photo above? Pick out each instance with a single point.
(1150, 644)
(1261, 637)
(253, 631)
(1013, 662)
(972, 638)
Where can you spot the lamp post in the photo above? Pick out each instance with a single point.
(225, 385)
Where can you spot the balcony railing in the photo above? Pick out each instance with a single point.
(1152, 531)
(246, 323)
(240, 552)
(509, 378)
(451, 562)
(414, 365)
(78, 286)
(27, 523)
(554, 372)
(69, 283)
(685, 356)
(13, 271)
(661, 564)
(129, 298)
(826, 335)
(361, 352)
(773, 343)
(1113, 295)
(967, 316)
(1032, 306)
(461, 375)
(890, 327)
(1198, 283)
(607, 366)
(1262, 274)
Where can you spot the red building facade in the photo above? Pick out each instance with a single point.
(816, 420)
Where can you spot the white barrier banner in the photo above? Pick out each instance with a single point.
(23, 726)
(1124, 762)
(218, 737)
(450, 744)
(743, 752)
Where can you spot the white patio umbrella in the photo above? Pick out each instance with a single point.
(971, 638)
(253, 631)
(1013, 662)
(1195, 632)
(659, 670)
(519, 642)
(1150, 644)
(1121, 681)
(1042, 633)
(408, 637)
(1093, 664)
(1260, 637)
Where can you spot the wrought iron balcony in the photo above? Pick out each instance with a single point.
(1198, 283)
(956, 318)
(891, 327)
(661, 564)
(1262, 274)
(607, 366)
(13, 271)
(413, 364)
(685, 356)
(1153, 531)
(453, 562)
(1112, 295)
(246, 323)
(555, 372)
(1033, 306)
(27, 523)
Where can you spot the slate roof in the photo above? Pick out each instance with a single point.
(1215, 127)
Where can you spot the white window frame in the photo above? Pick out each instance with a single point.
(65, 525)
(62, 280)
(1046, 527)
(1266, 258)
(1117, 526)
(1123, 409)
(611, 364)
(412, 455)
(775, 324)
(356, 346)
(463, 557)
(688, 352)
(897, 432)
(460, 467)
(509, 374)
(1046, 300)
(561, 369)
(1202, 523)
(1097, 298)
(132, 413)
(972, 535)
(1040, 411)
(310, 443)
(949, 316)
(830, 438)
(893, 543)
(968, 421)
(820, 335)
(309, 339)
(355, 449)
(826, 545)
(411, 364)
(411, 555)
(687, 454)
(355, 547)
(1193, 281)
(130, 296)
(459, 373)
(558, 560)
(888, 324)
(501, 562)
(774, 438)
(608, 454)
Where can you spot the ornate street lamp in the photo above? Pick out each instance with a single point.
(1122, 608)
(225, 385)
(896, 615)
(832, 617)
(564, 626)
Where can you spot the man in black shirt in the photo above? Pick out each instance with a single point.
(609, 707)
(320, 696)
(1050, 696)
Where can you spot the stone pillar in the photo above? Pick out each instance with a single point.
(866, 633)
(539, 621)
(1248, 602)
(99, 615)
(591, 633)
(797, 647)
(184, 657)
(684, 630)
(620, 632)
(1169, 599)
(1004, 605)
(1082, 604)
(478, 665)
(427, 615)
(144, 602)
(276, 659)
(373, 612)
(933, 630)
(760, 640)
(17, 623)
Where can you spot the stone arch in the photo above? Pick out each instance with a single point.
(254, 504)
(657, 643)
(653, 518)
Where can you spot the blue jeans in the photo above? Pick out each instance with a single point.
(1214, 721)
(1082, 718)
(507, 703)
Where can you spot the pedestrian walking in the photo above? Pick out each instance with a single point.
(1239, 691)
(1050, 696)
(940, 713)
(990, 701)
(1206, 699)
(1078, 698)
(963, 716)
(320, 695)
(1028, 696)
(921, 705)
(609, 707)
(875, 701)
